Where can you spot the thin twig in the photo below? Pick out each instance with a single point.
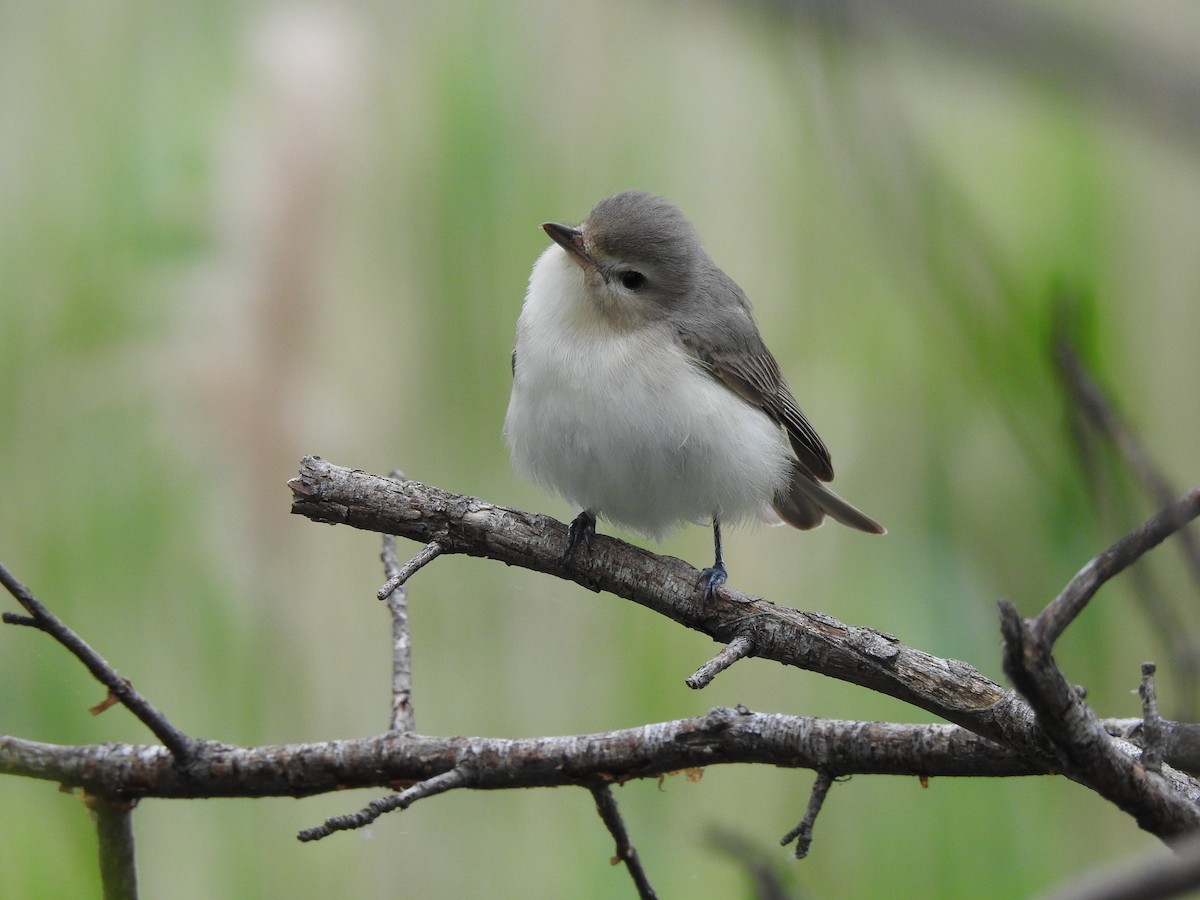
(180, 745)
(606, 806)
(402, 719)
(428, 554)
(1061, 611)
(802, 834)
(439, 784)
(740, 647)
(1153, 733)
(1098, 420)
(1176, 635)
(114, 831)
(1104, 417)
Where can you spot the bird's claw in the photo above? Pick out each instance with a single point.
(581, 531)
(712, 578)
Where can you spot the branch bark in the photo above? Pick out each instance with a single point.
(403, 716)
(1165, 804)
(115, 846)
(995, 732)
(119, 687)
(873, 659)
(606, 807)
(950, 688)
(1063, 735)
(394, 760)
(1063, 610)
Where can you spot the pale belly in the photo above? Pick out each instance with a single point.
(640, 435)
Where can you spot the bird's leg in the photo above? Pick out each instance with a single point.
(714, 576)
(581, 531)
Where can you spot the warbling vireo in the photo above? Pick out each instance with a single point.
(643, 393)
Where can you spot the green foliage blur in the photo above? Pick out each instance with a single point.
(235, 234)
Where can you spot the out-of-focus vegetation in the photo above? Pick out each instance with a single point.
(235, 234)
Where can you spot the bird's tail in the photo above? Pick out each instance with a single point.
(806, 502)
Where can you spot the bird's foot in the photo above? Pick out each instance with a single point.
(581, 531)
(712, 578)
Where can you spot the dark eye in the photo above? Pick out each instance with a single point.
(632, 280)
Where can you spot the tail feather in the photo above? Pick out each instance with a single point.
(806, 502)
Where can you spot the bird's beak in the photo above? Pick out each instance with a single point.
(571, 240)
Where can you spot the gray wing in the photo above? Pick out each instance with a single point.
(729, 346)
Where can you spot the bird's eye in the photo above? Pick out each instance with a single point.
(632, 280)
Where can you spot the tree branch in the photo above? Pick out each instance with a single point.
(802, 834)
(1165, 805)
(431, 551)
(739, 648)
(1152, 729)
(723, 736)
(1054, 619)
(1065, 735)
(952, 689)
(114, 831)
(996, 733)
(403, 718)
(606, 806)
(1099, 412)
(42, 619)
(1095, 416)
(459, 776)
(1162, 801)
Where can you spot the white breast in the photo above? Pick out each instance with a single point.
(625, 423)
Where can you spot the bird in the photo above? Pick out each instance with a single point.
(642, 391)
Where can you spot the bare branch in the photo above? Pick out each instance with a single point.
(1164, 805)
(431, 551)
(41, 618)
(1155, 737)
(1175, 634)
(1105, 419)
(950, 688)
(802, 834)
(808, 640)
(736, 649)
(114, 830)
(1181, 740)
(723, 736)
(1183, 746)
(402, 719)
(460, 776)
(1054, 619)
(606, 806)
(1098, 416)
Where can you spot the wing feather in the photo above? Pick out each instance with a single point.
(754, 375)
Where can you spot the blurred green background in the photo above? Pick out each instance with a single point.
(232, 234)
